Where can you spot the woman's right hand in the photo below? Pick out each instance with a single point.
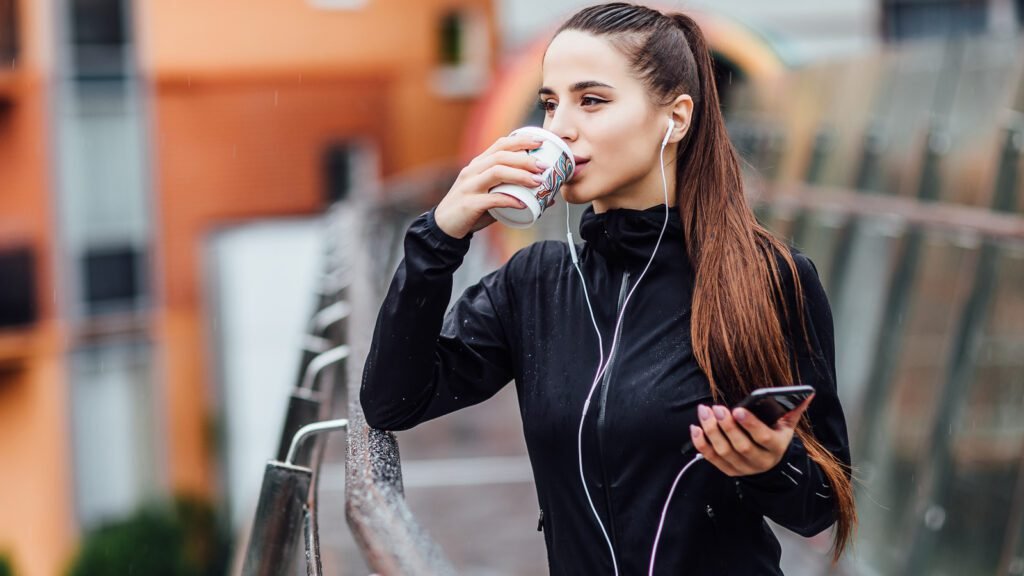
(464, 208)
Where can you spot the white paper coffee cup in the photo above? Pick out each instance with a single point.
(555, 152)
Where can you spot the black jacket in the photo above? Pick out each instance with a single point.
(528, 322)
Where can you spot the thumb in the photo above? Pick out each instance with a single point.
(790, 419)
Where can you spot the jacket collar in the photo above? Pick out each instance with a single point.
(629, 236)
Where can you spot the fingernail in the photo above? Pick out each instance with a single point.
(719, 412)
(740, 414)
(703, 412)
(542, 165)
(694, 431)
(538, 178)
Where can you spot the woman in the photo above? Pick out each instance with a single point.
(721, 308)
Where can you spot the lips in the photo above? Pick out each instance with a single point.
(580, 164)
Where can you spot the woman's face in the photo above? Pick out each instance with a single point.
(605, 114)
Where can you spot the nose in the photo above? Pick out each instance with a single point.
(559, 124)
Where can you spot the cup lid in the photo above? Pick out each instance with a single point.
(547, 135)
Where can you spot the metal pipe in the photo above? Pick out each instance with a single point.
(324, 318)
(310, 429)
(322, 361)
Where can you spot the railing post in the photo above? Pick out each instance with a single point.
(283, 512)
(890, 336)
(940, 469)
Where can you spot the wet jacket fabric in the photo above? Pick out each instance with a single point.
(528, 322)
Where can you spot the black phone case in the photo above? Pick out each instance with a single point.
(769, 409)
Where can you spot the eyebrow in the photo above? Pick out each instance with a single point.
(577, 87)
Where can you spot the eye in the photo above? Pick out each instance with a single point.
(591, 100)
(546, 105)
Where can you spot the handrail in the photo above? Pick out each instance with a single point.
(939, 215)
(391, 540)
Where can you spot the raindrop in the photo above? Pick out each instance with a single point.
(935, 517)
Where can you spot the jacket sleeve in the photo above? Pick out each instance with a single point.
(423, 363)
(795, 493)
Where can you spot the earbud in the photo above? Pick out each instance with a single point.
(668, 133)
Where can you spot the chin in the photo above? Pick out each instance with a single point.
(576, 194)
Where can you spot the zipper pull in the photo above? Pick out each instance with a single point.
(540, 521)
(710, 511)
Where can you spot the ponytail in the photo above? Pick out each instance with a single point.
(735, 324)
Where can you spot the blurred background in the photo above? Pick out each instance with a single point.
(166, 173)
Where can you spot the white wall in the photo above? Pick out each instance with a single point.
(261, 293)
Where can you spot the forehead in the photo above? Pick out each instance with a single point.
(575, 56)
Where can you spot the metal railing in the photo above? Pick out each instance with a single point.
(8, 34)
(391, 540)
(363, 243)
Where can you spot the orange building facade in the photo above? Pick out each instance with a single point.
(245, 107)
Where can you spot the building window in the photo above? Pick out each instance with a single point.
(99, 38)
(112, 278)
(913, 19)
(451, 39)
(18, 287)
(349, 167)
(8, 33)
(114, 438)
(463, 53)
(338, 172)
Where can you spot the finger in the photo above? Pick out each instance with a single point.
(790, 419)
(759, 431)
(519, 160)
(504, 175)
(481, 203)
(713, 432)
(514, 144)
(701, 444)
(747, 451)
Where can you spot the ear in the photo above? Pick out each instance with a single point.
(682, 113)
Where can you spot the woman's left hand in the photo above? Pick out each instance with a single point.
(738, 443)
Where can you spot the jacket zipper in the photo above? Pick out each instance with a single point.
(602, 411)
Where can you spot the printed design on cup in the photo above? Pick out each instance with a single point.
(556, 176)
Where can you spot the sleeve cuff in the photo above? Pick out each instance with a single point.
(430, 250)
(440, 239)
(790, 472)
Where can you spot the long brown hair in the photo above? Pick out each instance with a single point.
(736, 327)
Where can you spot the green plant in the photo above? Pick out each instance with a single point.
(181, 539)
(6, 566)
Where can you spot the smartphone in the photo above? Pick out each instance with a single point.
(770, 404)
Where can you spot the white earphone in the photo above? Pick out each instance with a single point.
(602, 363)
(568, 231)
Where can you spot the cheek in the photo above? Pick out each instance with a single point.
(621, 140)
(623, 157)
